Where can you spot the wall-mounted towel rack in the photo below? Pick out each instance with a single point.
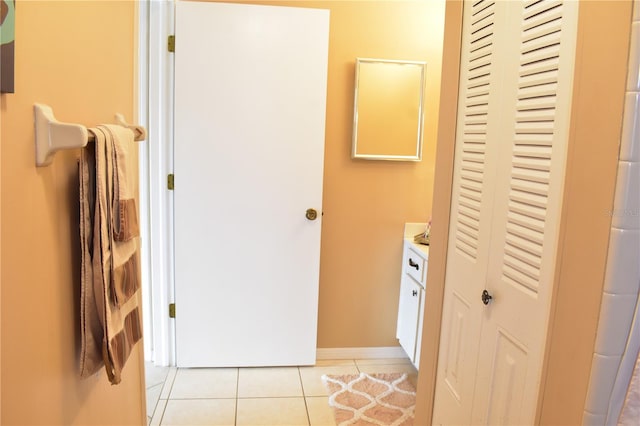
(52, 135)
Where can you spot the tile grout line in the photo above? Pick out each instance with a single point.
(250, 397)
(163, 411)
(304, 397)
(235, 414)
(169, 382)
(205, 398)
(155, 406)
(156, 385)
(170, 389)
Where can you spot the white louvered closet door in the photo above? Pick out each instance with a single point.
(491, 355)
(472, 195)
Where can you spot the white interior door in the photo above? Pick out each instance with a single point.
(250, 89)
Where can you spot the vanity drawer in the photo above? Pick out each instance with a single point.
(415, 266)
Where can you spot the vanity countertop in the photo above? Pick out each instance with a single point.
(412, 229)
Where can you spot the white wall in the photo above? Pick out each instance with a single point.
(618, 338)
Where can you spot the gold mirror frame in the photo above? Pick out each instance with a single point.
(388, 112)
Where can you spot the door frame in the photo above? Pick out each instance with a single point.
(155, 92)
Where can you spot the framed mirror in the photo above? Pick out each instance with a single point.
(388, 112)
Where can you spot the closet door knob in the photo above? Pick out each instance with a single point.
(486, 297)
(415, 292)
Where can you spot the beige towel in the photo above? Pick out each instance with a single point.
(109, 233)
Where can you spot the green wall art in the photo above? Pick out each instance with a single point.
(7, 44)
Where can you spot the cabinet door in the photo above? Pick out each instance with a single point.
(408, 309)
(416, 361)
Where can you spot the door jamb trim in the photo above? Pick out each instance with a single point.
(156, 107)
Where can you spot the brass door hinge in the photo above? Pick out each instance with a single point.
(171, 45)
(170, 181)
(172, 310)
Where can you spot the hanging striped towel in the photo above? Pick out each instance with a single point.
(109, 234)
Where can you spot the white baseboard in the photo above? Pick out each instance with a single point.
(361, 353)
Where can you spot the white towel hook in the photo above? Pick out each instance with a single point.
(52, 135)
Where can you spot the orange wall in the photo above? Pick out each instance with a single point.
(78, 57)
(366, 203)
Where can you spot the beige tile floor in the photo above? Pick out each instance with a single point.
(252, 396)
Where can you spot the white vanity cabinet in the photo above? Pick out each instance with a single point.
(412, 293)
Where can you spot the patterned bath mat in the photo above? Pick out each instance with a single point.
(371, 399)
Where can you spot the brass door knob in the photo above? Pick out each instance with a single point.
(311, 214)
